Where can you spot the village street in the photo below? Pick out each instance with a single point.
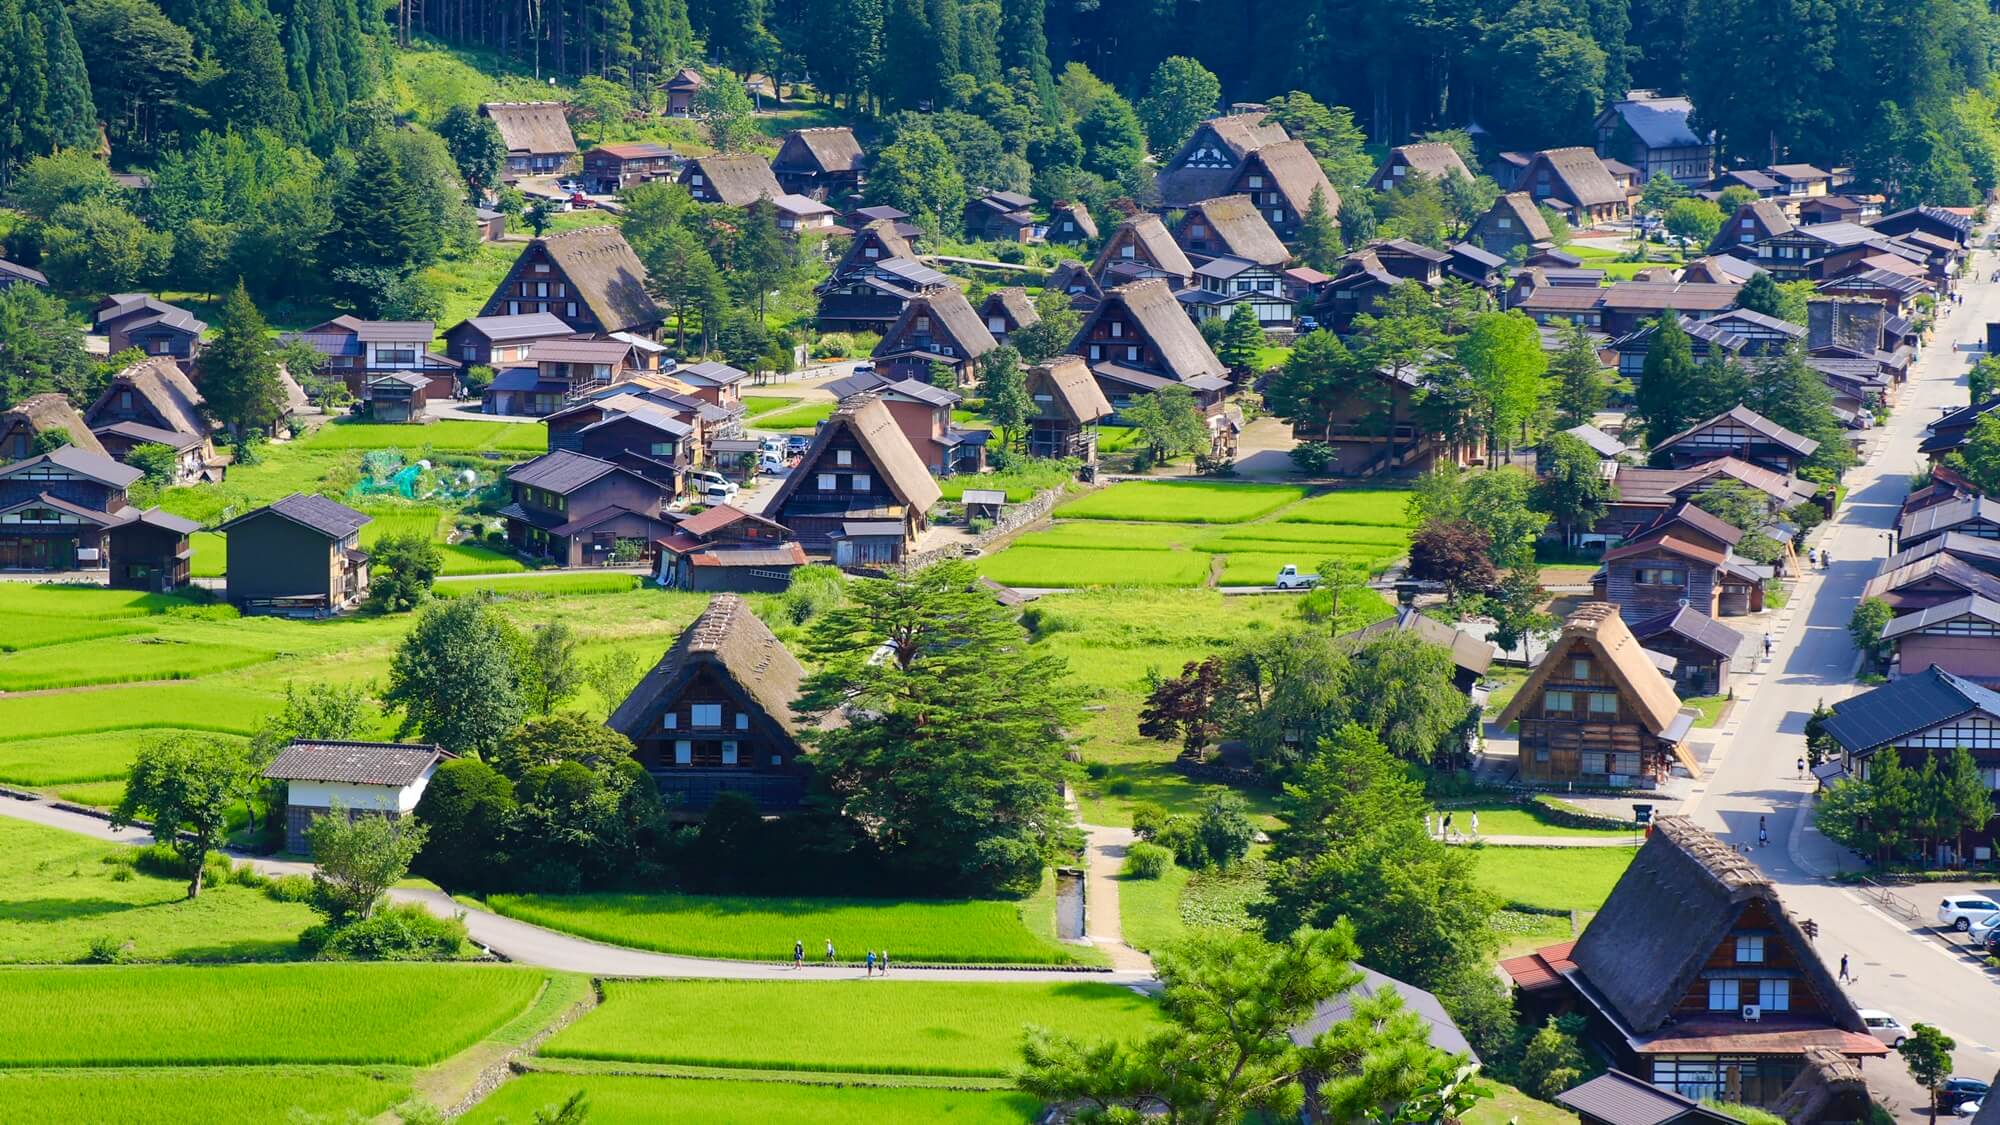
(1898, 965)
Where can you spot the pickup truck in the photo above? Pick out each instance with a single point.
(1289, 578)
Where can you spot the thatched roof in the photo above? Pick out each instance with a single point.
(532, 127)
(1433, 159)
(1013, 304)
(1150, 243)
(1597, 628)
(1680, 897)
(952, 318)
(1520, 207)
(160, 381)
(738, 180)
(828, 149)
(607, 276)
(1581, 174)
(1184, 355)
(881, 440)
(1069, 384)
(1235, 227)
(43, 413)
(733, 642)
(1295, 172)
(1830, 1088)
(1240, 134)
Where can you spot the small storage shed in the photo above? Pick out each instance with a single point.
(363, 778)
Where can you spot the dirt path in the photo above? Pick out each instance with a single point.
(1102, 923)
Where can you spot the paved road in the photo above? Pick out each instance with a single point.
(1752, 775)
(533, 945)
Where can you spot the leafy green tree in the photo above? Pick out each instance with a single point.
(1242, 340)
(1786, 390)
(455, 678)
(551, 674)
(1661, 193)
(1967, 800)
(1404, 691)
(1179, 96)
(1760, 295)
(1227, 1054)
(566, 736)
(73, 176)
(1735, 196)
(1693, 221)
(1580, 390)
(475, 146)
(1330, 134)
(184, 785)
(1051, 336)
(159, 462)
(403, 567)
(357, 859)
(952, 749)
(1927, 1053)
(1571, 488)
(1516, 606)
(1548, 76)
(1005, 391)
(1225, 829)
(1865, 625)
(1322, 381)
(41, 348)
(1500, 503)
(1503, 356)
(99, 246)
(1660, 401)
(1170, 421)
(1114, 143)
(240, 368)
(599, 102)
(683, 278)
(724, 110)
(141, 66)
(1354, 847)
(1552, 1062)
(469, 809)
(761, 256)
(920, 175)
(1318, 241)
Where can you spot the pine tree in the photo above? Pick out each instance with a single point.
(1580, 390)
(1318, 240)
(68, 118)
(761, 254)
(1024, 44)
(251, 89)
(239, 370)
(378, 220)
(1660, 400)
(1242, 340)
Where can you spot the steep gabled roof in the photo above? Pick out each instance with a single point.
(738, 180)
(1597, 627)
(1658, 122)
(1582, 175)
(1295, 172)
(1673, 906)
(1011, 302)
(882, 232)
(1071, 386)
(607, 274)
(1434, 159)
(1239, 230)
(46, 412)
(1240, 133)
(1757, 423)
(951, 315)
(1520, 207)
(881, 440)
(731, 640)
(1152, 244)
(1184, 354)
(829, 148)
(328, 517)
(159, 380)
(536, 127)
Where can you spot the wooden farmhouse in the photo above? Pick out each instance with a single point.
(714, 716)
(923, 412)
(1068, 405)
(1210, 161)
(1924, 713)
(1575, 180)
(1695, 977)
(356, 351)
(536, 134)
(497, 341)
(1512, 222)
(1684, 557)
(1470, 656)
(1960, 636)
(584, 511)
(823, 163)
(1596, 711)
(558, 372)
(384, 779)
(589, 278)
(1137, 340)
(1071, 222)
(860, 492)
(57, 508)
(1653, 135)
(873, 280)
(726, 548)
(1931, 578)
(1975, 516)
(1141, 248)
(297, 556)
(1008, 310)
(14, 273)
(1742, 433)
(1001, 216)
(1433, 160)
(143, 321)
(23, 424)
(153, 403)
(1701, 647)
(632, 432)
(610, 169)
(681, 91)
(937, 326)
(733, 181)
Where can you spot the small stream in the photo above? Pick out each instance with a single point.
(1069, 904)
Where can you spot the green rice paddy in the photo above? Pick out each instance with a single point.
(449, 436)
(204, 1095)
(1552, 878)
(629, 1100)
(1181, 502)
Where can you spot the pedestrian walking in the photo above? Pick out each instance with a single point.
(1844, 978)
(829, 951)
(871, 963)
(1767, 646)
(1763, 833)
(1812, 556)
(1801, 768)
(885, 960)
(1475, 824)
(798, 953)
(1447, 827)
(1825, 558)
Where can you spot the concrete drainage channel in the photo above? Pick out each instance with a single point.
(1069, 904)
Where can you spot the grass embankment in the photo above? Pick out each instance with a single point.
(625, 1100)
(763, 929)
(867, 1027)
(244, 1015)
(1521, 820)
(63, 891)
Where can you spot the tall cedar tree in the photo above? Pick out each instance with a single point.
(1579, 377)
(1242, 340)
(378, 217)
(952, 749)
(1318, 240)
(1321, 381)
(239, 370)
(683, 278)
(1661, 400)
(47, 95)
(1789, 392)
(761, 255)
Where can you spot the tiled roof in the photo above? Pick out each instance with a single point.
(355, 763)
(1905, 706)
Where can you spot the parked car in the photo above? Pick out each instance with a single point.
(1959, 1091)
(797, 444)
(1961, 911)
(773, 463)
(714, 494)
(1884, 1026)
(1983, 928)
(702, 480)
(573, 186)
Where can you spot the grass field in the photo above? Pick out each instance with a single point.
(19, 631)
(1521, 820)
(802, 419)
(202, 1095)
(1149, 910)
(1019, 483)
(408, 1014)
(1181, 502)
(754, 405)
(61, 891)
(1553, 878)
(542, 586)
(763, 929)
(72, 757)
(626, 1100)
(1028, 564)
(870, 1026)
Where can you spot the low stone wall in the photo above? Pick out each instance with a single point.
(1013, 518)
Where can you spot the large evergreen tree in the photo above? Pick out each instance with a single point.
(1661, 398)
(378, 219)
(239, 369)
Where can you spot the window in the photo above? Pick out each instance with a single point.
(1657, 576)
(1125, 251)
(1774, 995)
(1096, 352)
(1750, 949)
(827, 482)
(683, 753)
(1117, 329)
(742, 720)
(661, 449)
(1132, 353)
(705, 714)
(923, 324)
(672, 720)
(861, 482)
(729, 753)
(695, 179)
(871, 252)
(777, 759)
(1256, 181)
(843, 457)
(1558, 703)
(1722, 995)
(1504, 222)
(1603, 703)
(1277, 216)
(1579, 669)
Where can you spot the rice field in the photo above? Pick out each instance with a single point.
(866, 1026)
(20, 631)
(189, 706)
(63, 759)
(763, 929)
(802, 419)
(202, 1096)
(121, 660)
(62, 891)
(448, 436)
(1552, 878)
(1382, 507)
(1027, 564)
(629, 1100)
(1181, 502)
(317, 1012)
(96, 603)
(542, 586)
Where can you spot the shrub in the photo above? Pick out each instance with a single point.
(1041, 621)
(1225, 829)
(1147, 861)
(1312, 456)
(290, 888)
(814, 590)
(405, 932)
(1097, 771)
(160, 861)
(1120, 787)
(1147, 820)
(833, 345)
(107, 950)
(1182, 836)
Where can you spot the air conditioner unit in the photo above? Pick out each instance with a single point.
(1752, 1013)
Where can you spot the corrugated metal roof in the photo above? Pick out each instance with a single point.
(355, 763)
